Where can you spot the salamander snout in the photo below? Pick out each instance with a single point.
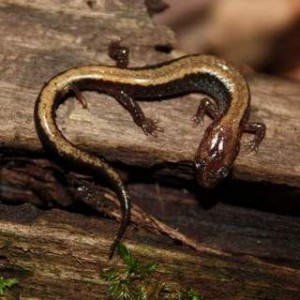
(216, 154)
(209, 175)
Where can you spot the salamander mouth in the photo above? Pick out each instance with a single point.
(204, 176)
(207, 176)
(208, 180)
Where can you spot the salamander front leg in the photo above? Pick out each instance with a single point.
(259, 129)
(206, 106)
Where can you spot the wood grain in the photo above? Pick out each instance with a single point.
(45, 42)
(53, 249)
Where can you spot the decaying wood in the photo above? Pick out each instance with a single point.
(41, 187)
(249, 269)
(66, 251)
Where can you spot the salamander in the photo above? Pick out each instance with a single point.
(228, 106)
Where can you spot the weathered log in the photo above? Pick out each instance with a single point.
(60, 255)
(61, 249)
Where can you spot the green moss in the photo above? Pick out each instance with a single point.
(7, 284)
(137, 281)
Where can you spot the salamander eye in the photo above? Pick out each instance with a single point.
(200, 164)
(223, 172)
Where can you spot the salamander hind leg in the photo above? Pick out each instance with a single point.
(259, 129)
(148, 125)
(79, 95)
(206, 106)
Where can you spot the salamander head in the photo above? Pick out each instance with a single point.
(216, 154)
